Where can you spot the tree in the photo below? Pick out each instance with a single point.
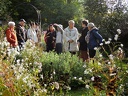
(108, 20)
(95, 10)
(59, 11)
(3, 8)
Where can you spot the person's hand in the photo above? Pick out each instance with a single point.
(54, 38)
(70, 41)
(78, 44)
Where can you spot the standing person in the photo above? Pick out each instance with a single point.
(50, 38)
(31, 34)
(70, 38)
(93, 39)
(82, 42)
(59, 38)
(11, 34)
(21, 33)
(38, 32)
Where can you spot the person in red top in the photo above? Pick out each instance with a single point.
(11, 34)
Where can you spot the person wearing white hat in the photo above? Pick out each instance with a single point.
(93, 39)
(59, 38)
(11, 34)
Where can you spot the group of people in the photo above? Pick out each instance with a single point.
(17, 36)
(56, 38)
(69, 40)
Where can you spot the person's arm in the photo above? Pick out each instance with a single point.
(98, 36)
(65, 36)
(75, 38)
(28, 34)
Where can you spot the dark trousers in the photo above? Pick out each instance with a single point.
(58, 48)
(83, 55)
(92, 53)
(72, 53)
(49, 48)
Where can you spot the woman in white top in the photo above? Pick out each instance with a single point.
(59, 38)
(31, 34)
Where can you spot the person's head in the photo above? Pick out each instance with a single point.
(90, 26)
(51, 27)
(11, 24)
(84, 23)
(71, 23)
(36, 24)
(59, 26)
(22, 22)
(32, 24)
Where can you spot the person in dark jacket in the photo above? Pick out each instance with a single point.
(82, 43)
(93, 39)
(50, 38)
(21, 33)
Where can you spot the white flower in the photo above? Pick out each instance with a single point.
(44, 90)
(109, 39)
(84, 66)
(111, 57)
(41, 76)
(56, 85)
(5, 38)
(121, 86)
(87, 86)
(74, 77)
(119, 31)
(103, 40)
(9, 53)
(86, 72)
(112, 74)
(69, 88)
(54, 72)
(101, 44)
(116, 37)
(18, 61)
(121, 45)
(99, 63)
(80, 78)
(126, 71)
(45, 85)
(109, 63)
(107, 42)
(100, 55)
(119, 48)
(93, 78)
(95, 48)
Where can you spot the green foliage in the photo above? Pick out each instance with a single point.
(63, 67)
(3, 8)
(108, 20)
(59, 11)
(95, 11)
